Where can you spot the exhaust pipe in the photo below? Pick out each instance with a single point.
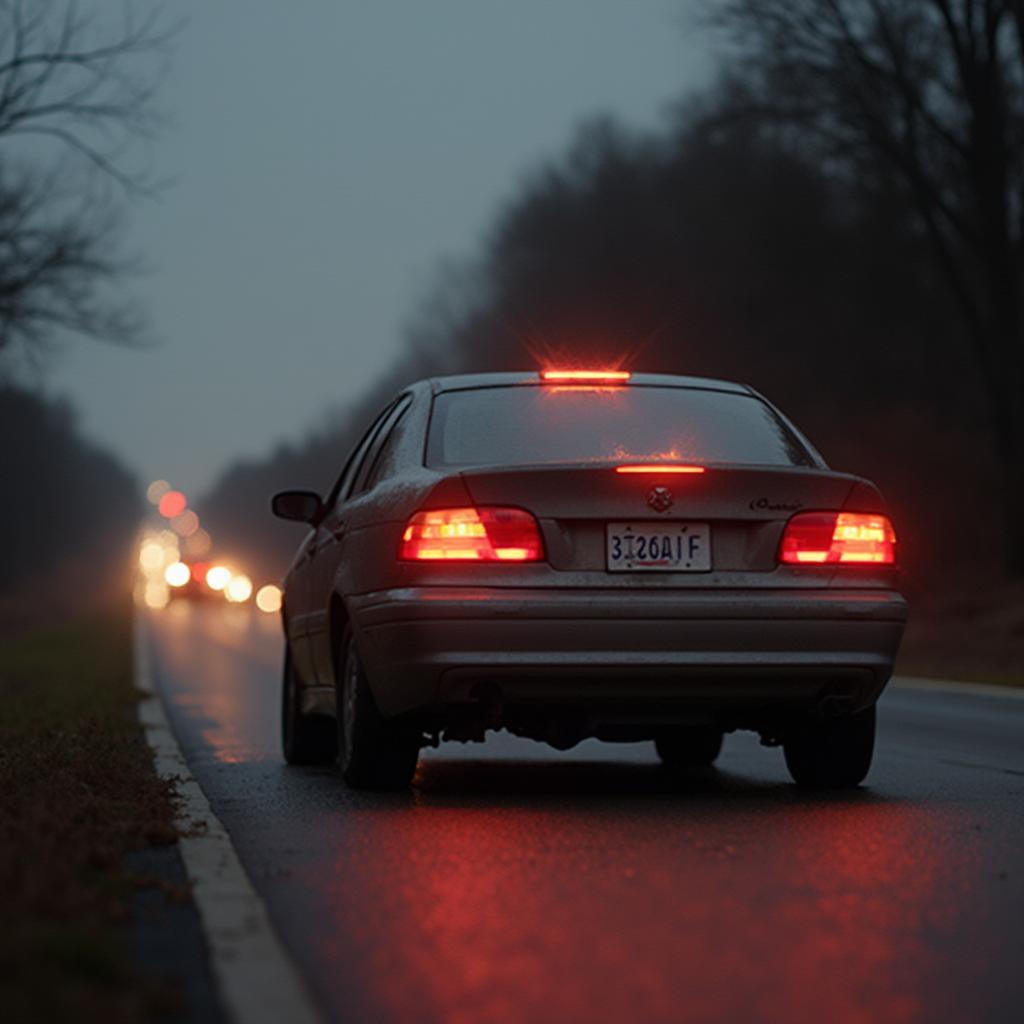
(834, 706)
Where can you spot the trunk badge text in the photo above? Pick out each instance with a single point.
(660, 499)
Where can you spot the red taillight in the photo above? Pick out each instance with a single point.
(830, 538)
(655, 467)
(472, 534)
(586, 376)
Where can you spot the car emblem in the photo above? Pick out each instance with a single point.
(660, 499)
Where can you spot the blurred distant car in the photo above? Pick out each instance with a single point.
(567, 555)
(193, 585)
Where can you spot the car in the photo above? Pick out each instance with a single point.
(569, 554)
(194, 586)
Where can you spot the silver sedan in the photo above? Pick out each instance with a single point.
(572, 554)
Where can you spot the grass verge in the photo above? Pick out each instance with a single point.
(77, 792)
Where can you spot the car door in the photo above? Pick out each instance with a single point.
(305, 611)
(298, 594)
(331, 532)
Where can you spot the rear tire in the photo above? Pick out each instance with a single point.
(373, 752)
(689, 747)
(305, 739)
(833, 753)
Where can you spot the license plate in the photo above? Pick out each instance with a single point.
(659, 547)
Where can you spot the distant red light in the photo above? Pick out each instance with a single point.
(172, 504)
(586, 376)
(654, 467)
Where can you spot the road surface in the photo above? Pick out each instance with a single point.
(515, 883)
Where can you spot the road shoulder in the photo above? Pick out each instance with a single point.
(258, 981)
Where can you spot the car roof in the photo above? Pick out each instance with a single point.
(507, 379)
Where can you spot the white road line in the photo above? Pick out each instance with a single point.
(258, 982)
(949, 686)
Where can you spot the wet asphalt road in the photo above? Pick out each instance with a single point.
(515, 883)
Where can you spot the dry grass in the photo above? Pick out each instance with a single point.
(77, 791)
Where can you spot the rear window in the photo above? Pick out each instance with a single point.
(530, 425)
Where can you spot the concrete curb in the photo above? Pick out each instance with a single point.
(257, 981)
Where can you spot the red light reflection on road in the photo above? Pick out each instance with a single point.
(527, 914)
(561, 890)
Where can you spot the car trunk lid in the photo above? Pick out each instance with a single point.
(745, 507)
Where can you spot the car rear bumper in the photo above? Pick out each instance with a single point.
(425, 647)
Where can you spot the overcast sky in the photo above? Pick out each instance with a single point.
(327, 155)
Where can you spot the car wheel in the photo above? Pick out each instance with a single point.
(373, 751)
(305, 739)
(833, 753)
(690, 747)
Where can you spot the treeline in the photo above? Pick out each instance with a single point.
(69, 513)
(714, 248)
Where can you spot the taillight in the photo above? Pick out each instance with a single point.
(830, 538)
(472, 534)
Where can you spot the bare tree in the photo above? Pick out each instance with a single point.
(76, 95)
(924, 98)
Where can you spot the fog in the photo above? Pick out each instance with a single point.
(320, 161)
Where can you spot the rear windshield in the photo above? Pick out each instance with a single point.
(530, 425)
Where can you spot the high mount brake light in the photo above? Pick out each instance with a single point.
(586, 376)
(472, 535)
(832, 538)
(654, 467)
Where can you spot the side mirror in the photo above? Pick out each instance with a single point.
(300, 506)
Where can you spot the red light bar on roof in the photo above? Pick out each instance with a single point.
(655, 467)
(586, 376)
